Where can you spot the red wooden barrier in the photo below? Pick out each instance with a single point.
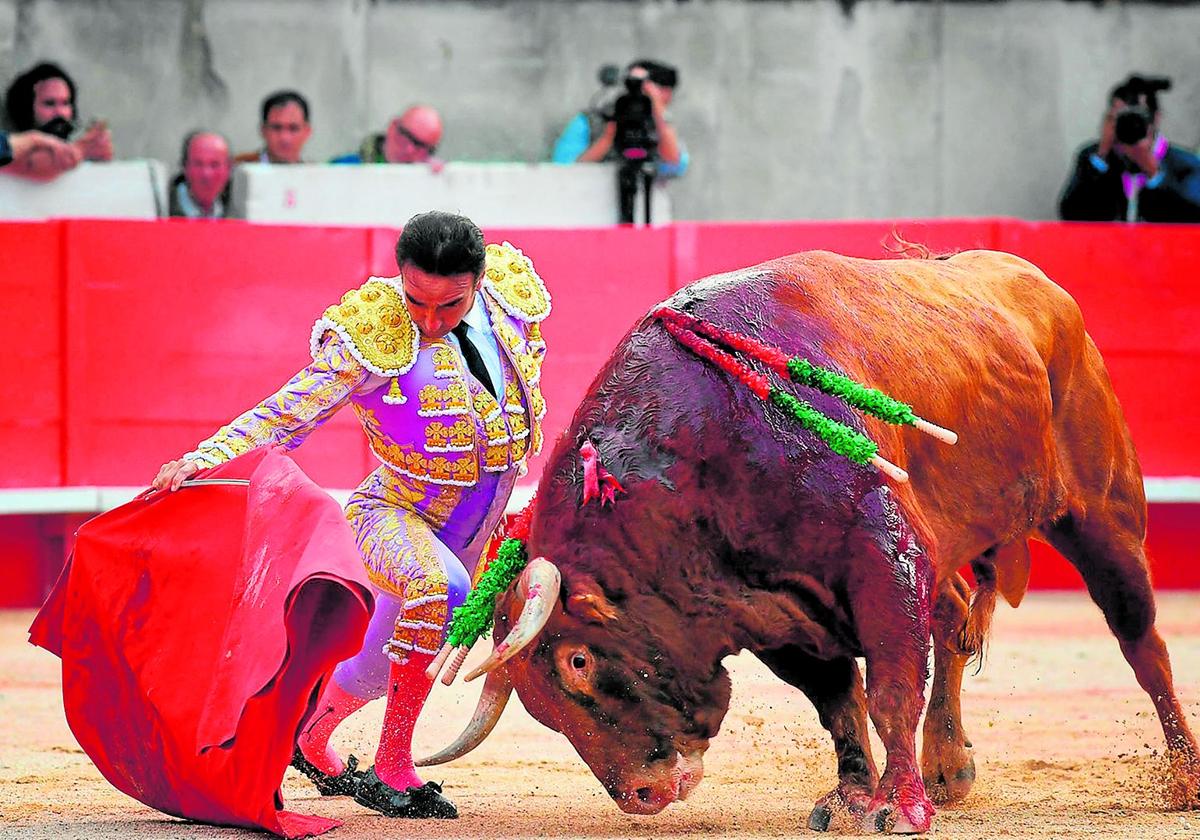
(31, 371)
(175, 328)
(128, 342)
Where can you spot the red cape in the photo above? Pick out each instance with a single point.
(195, 630)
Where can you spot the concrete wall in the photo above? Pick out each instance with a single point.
(817, 109)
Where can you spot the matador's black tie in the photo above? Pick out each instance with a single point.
(474, 360)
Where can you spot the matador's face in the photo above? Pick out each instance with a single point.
(437, 302)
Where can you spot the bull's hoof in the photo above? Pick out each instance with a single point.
(887, 819)
(1183, 781)
(951, 786)
(876, 820)
(900, 809)
(948, 769)
(820, 818)
(846, 797)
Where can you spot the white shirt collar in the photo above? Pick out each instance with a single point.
(477, 317)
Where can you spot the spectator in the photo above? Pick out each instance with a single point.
(412, 137)
(20, 147)
(1132, 173)
(590, 135)
(44, 98)
(201, 191)
(284, 128)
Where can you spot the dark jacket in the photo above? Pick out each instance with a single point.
(1096, 194)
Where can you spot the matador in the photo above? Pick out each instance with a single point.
(442, 365)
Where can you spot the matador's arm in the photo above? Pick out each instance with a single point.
(289, 415)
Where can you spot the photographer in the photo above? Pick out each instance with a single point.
(1132, 173)
(591, 135)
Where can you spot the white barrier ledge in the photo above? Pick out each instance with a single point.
(45, 500)
(546, 195)
(126, 189)
(51, 500)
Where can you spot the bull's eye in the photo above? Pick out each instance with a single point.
(578, 661)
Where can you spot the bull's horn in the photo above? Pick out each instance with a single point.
(496, 691)
(539, 585)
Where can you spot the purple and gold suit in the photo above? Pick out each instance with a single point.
(451, 453)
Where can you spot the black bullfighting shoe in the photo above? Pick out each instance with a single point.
(344, 784)
(416, 803)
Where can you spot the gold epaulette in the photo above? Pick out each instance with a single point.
(511, 281)
(375, 325)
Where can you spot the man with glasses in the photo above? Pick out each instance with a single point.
(412, 137)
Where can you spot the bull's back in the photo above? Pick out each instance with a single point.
(975, 343)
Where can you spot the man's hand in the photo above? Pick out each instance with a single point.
(1142, 154)
(600, 146)
(1108, 130)
(658, 98)
(58, 155)
(96, 142)
(172, 474)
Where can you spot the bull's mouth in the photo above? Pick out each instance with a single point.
(649, 794)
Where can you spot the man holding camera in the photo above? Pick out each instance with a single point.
(581, 142)
(1132, 173)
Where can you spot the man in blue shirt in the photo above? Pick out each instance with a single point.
(582, 142)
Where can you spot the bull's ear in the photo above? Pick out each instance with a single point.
(588, 602)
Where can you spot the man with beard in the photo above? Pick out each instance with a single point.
(43, 98)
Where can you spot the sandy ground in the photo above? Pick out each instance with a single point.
(1066, 745)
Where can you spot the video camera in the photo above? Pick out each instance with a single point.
(637, 136)
(1140, 96)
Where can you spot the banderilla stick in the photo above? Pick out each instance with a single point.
(455, 664)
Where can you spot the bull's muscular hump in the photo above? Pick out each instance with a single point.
(741, 531)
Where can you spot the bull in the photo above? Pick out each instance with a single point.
(739, 531)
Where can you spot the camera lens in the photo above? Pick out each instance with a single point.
(1132, 126)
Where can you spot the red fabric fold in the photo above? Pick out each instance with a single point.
(195, 630)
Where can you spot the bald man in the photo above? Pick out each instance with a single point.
(412, 137)
(200, 190)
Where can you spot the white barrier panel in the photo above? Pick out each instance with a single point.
(127, 189)
(492, 194)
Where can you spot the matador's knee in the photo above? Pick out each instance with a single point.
(422, 622)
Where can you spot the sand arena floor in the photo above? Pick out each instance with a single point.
(1066, 745)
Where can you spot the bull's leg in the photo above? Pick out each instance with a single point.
(835, 689)
(1102, 534)
(946, 761)
(891, 603)
(1107, 549)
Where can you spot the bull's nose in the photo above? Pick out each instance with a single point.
(645, 799)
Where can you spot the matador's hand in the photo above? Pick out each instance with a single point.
(173, 473)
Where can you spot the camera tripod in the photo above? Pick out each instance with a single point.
(631, 175)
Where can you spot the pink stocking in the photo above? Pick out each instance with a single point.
(407, 689)
(334, 707)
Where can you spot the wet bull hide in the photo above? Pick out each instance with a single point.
(741, 531)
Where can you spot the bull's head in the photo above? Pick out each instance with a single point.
(631, 686)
